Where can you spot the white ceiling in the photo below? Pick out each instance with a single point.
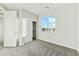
(36, 8)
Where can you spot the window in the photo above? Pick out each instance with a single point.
(48, 23)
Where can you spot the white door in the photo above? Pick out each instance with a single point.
(10, 28)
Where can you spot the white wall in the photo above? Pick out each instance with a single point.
(77, 12)
(65, 28)
(31, 17)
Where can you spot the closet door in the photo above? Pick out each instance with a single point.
(10, 28)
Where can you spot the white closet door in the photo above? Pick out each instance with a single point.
(10, 31)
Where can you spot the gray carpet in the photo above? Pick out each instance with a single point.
(38, 48)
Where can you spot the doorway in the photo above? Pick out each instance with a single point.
(34, 30)
(1, 31)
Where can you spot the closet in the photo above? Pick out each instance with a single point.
(1, 27)
(8, 28)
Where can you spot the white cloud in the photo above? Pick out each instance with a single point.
(51, 20)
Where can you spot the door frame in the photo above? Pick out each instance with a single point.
(32, 29)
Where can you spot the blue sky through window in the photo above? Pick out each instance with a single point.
(48, 22)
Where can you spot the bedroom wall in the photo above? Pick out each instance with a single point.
(65, 27)
(30, 17)
(77, 11)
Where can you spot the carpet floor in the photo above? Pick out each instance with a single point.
(38, 48)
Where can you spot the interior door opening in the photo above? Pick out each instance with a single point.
(1, 31)
(34, 30)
